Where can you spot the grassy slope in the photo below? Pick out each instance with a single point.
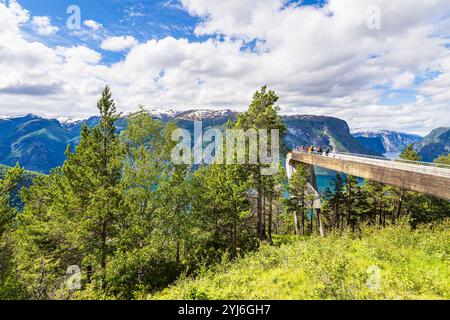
(413, 264)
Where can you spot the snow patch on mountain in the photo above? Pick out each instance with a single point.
(69, 120)
(392, 141)
(205, 114)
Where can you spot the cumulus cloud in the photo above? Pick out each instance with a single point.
(20, 13)
(43, 26)
(12, 16)
(117, 44)
(92, 24)
(320, 60)
(403, 81)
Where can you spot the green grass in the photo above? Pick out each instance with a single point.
(412, 265)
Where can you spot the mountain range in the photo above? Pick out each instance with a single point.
(435, 144)
(38, 144)
(385, 141)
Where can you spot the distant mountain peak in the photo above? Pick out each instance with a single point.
(160, 113)
(384, 141)
(435, 144)
(69, 120)
(205, 114)
(20, 116)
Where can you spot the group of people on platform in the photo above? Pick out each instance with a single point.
(314, 149)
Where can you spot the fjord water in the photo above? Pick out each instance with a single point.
(392, 155)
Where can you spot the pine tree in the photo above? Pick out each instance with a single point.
(376, 197)
(94, 173)
(221, 203)
(9, 287)
(9, 182)
(262, 114)
(351, 197)
(334, 203)
(298, 198)
(72, 216)
(410, 154)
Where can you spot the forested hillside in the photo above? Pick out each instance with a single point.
(121, 220)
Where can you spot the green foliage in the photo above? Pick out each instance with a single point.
(221, 203)
(72, 216)
(7, 185)
(443, 159)
(155, 221)
(412, 264)
(9, 287)
(410, 154)
(134, 223)
(127, 216)
(262, 114)
(299, 198)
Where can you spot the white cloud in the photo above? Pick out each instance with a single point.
(403, 81)
(79, 54)
(92, 24)
(21, 14)
(43, 26)
(117, 44)
(438, 88)
(12, 16)
(319, 60)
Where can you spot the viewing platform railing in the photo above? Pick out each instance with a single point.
(401, 164)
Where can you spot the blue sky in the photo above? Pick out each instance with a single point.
(144, 20)
(321, 57)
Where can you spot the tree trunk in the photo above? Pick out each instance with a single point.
(349, 217)
(342, 224)
(296, 224)
(88, 273)
(263, 224)
(234, 239)
(337, 216)
(269, 223)
(399, 208)
(277, 224)
(303, 222)
(319, 223)
(259, 209)
(103, 254)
